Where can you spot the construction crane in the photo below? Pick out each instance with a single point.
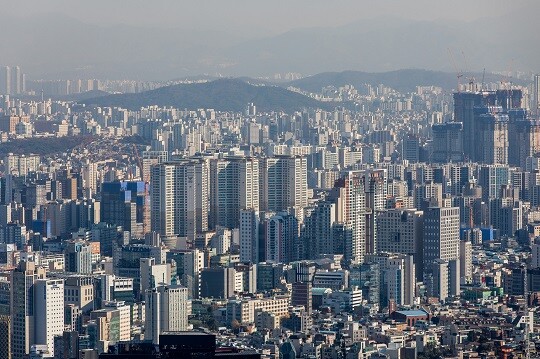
(459, 74)
(471, 78)
(139, 162)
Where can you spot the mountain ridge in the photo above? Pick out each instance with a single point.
(222, 94)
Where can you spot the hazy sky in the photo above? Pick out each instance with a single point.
(162, 39)
(264, 16)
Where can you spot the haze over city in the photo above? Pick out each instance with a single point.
(164, 39)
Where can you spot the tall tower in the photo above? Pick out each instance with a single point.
(401, 231)
(493, 138)
(281, 235)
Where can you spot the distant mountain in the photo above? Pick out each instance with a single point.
(222, 94)
(401, 80)
(380, 44)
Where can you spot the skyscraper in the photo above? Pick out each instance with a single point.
(401, 231)
(447, 142)
(401, 279)
(179, 197)
(125, 204)
(492, 137)
(375, 187)
(523, 137)
(468, 106)
(16, 80)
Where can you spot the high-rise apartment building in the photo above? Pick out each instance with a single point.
(492, 137)
(5, 81)
(283, 183)
(468, 106)
(249, 236)
(234, 186)
(350, 197)
(523, 137)
(179, 197)
(447, 142)
(281, 235)
(536, 96)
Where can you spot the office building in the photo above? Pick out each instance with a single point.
(217, 282)
(23, 309)
(401, 280)
(49, 311)
(126, 204)
(401, 231)
(441, 242)
(78, 257)
(167, 309)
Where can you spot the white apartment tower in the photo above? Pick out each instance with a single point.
(283, 183)
(234, 186)
(351, 210)
(179, 197)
